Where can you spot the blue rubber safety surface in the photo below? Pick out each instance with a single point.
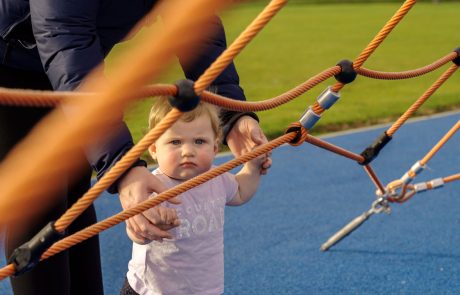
(272, 243)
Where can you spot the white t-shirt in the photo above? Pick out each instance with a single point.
(193, 261)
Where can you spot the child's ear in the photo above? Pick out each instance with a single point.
(216, 146)
(153, 151)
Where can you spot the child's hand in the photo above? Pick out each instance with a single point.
(163, 218)
(257, 165)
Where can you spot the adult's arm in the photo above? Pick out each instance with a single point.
(70, 48)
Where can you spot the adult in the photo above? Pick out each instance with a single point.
(53, 45)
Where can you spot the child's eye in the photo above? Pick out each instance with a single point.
(175, 142)
(199, 141)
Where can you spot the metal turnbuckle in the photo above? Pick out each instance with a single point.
(378, 206)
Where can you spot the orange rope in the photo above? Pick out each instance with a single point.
(384, 32)
(233, 50)
(173, 192)
(374, 178)
(335, 149)
(438, 146)
(90, 119)
(407, 74)
(451, 178)
(32, 98)
(378, 39)
(203, 82)
(416, 105)
(246, 106)
(370, 48)
(88, 198)
(7, 271)
(50, 98)
(38, 98)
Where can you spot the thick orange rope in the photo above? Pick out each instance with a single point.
(372, 46)
(90, 118)
(245, 106)
(164, 196)
(38, 98)
(50, 99)
(384, 32)
(88, 198)
(378, 39)
(416, 105)
(407, 74)
(233, 50)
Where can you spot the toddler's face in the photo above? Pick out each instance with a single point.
(187, 149)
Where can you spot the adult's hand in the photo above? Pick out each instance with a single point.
(245, 135)
(135, 187)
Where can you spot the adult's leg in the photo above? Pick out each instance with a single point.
(85, 262)
(50, 276)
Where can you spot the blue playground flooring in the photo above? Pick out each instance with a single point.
(272, 243)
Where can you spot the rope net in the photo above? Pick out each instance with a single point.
(146, 62)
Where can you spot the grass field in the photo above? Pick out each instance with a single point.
(303, 40)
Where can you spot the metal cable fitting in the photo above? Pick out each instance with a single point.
(413, 171)
(433, 184)
(309, 119)
(327, 98)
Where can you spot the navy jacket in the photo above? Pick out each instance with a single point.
(67, 38)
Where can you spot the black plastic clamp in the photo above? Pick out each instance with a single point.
(348, 73)
(372, 151)
(457, 59)
(27, 256)
(186, 99)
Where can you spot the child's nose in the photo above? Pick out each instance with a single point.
(188, 150)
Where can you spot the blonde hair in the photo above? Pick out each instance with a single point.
(161, 108)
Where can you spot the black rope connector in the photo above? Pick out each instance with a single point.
(348, 73)
(457, 59)
(27, 256)
(372, 151)
(186, 99)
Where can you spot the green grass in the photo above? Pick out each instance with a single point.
(303, 40)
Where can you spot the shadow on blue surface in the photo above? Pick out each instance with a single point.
(272, 243)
